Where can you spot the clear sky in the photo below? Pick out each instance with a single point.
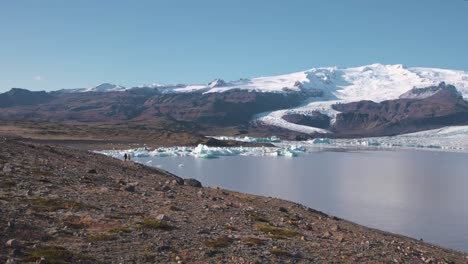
(53, 44)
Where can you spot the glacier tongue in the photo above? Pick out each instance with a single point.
(374, 82)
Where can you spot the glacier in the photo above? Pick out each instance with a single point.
(374, 82)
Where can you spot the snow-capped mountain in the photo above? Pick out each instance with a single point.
(376, 82)
(217, 83)
(105, 87)
(320, 100)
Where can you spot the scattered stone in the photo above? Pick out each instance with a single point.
(12, 243)
(335, 228)
(8, 168)
(339, 237)
(130, 188)
(192, 182)
(41, 261)
(121, 182)
(326, 234)
(92, 171)
(163, 217)
(282, 209)
(11, 261)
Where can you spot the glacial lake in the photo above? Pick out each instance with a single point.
(420, 194)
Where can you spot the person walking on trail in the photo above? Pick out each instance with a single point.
(125, 157)
(128, 157)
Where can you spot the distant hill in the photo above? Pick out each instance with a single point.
(21, 97)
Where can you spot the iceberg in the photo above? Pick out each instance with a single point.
(246, 139)
(205, 152)
(321, 141)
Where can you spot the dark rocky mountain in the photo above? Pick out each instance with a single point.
(441, 106)
(422, 93)
(234, 107)
(316, 119)
(20, 97)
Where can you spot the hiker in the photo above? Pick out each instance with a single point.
(128, 157)
(125, 156)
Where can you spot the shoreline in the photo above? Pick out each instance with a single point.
(93, 195)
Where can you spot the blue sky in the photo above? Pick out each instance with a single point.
(53, 44)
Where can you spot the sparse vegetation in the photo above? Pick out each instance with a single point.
(37, 171)
(280, 253)
(219, 242)
(257, 217)
(253, 240)
(54, 204)
(101, 237)
(276, 231)
(230, 227)
(54, 255)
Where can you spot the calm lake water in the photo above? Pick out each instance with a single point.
(420, 194)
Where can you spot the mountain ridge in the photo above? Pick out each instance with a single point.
(302, 102)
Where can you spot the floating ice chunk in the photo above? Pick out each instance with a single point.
(289, 153)
(321, 141)
(205, 152)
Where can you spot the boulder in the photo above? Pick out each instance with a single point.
(163, 218)
(12, 243)
(130, 188)
(192, 182)
(8, 168)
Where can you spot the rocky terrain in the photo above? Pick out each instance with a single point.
(62, 205)
(220, 109)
